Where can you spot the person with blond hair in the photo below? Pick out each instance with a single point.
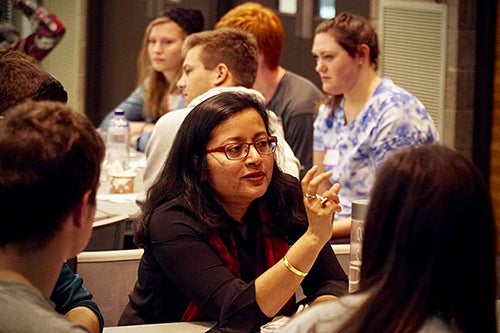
(159, 68)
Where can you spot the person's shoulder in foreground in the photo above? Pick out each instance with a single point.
(50, 162)
(23, 79)
(37, 311)
(437, 291)
(326, 317)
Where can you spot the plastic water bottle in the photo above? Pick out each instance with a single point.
(118, 140)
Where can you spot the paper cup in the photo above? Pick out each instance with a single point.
(121, 184)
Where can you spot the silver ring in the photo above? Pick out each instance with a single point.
(311, 197)
(323, 200)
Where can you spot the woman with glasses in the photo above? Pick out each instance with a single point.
(227, 236)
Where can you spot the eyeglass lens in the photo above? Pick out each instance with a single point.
(241, 150)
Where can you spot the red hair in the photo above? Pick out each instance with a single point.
(263, 23)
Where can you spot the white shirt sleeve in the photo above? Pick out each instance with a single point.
(160, 143)
(285, 158)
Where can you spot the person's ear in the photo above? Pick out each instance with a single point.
(222, 74)
(260, 58)
(82, 210)
(363, 54)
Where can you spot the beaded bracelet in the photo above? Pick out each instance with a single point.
(292, 269)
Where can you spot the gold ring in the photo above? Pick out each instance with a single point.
(323, 201)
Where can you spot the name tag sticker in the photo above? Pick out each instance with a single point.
(332, 157)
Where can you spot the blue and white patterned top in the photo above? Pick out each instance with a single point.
(393, 118)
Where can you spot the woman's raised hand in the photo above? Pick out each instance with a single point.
(320, 207)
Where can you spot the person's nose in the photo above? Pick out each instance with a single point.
(157, 47)
(253, 155)
(320, 67)
(181, 84)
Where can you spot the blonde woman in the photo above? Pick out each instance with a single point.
(159, 68)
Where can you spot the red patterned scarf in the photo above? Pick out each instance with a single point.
(274, 248)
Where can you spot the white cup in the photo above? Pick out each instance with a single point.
(121, 183)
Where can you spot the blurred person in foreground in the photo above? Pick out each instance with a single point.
(292, 97)
(229, 237)
(23, 80)
(429, 218)
(364, 117)
(50, 160)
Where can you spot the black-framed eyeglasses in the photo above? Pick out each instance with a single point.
(239, 150)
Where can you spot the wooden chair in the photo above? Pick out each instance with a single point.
(110, 276)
